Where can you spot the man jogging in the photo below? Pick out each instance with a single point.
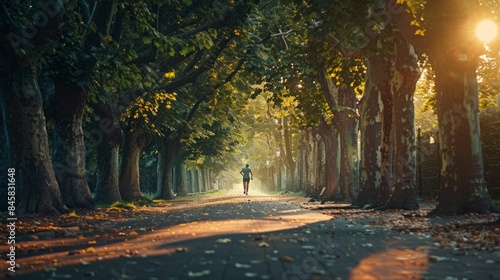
(247, 174)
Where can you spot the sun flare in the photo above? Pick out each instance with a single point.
(486, 30)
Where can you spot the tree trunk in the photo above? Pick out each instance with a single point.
(352, 142)
(341, 125)
(321, 160)
(289, 162)
(383, 76)
(463, 189)
(38, 190)
(301, 164)
(108, 149)
(168, 152)
(69, 146)
(370, 126)
(136, 140)
(181, 178)
(330, 138)
(404, 194)
(454, 55)
(345, 121)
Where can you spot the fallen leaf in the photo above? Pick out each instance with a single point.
(198, 274)
(181, 249)
(90, 250)
(287, 259)
(241, 265)
(263, 244)
(223, 241)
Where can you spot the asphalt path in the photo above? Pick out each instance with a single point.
(233, 236)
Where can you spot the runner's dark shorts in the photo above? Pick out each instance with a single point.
(246, 179)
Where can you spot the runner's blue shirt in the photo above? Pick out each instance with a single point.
(246, 172)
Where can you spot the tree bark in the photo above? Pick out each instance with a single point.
(181, 178)
(454, 54)
(38, 190)
(463, 189)
(167, 154)
(345, 121)
(404, 194)
(289, 162)
(136, 140)
(382, 68)
(330, 138)
(371, 127)
(108, 149)
(69, 147)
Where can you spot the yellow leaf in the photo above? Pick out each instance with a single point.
(170, 75)
(107, 38)
(90, 250)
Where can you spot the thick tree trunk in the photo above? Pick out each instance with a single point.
(454, 55)
(69, 146)
(136, 140)
(108, 150)
(404, 194)
(321, 159)
(107, 188)
(345, 121)
(38, 190)
(168, 152)
(371, 127)
(463, 189)
(180, 178)
(330, 138)
(382, 68)
(341, 125)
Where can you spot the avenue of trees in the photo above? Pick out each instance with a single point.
(100, 98)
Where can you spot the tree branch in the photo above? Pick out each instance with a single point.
(207, 25)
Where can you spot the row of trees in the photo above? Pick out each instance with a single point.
(104, 83)
(395, 41)
(105, 80)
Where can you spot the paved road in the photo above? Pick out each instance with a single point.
(254, 237)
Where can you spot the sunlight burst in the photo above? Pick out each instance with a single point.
(486, 30)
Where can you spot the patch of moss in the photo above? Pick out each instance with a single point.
(122, 205)
(143, 201)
